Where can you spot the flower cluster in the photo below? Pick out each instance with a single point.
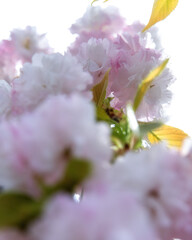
(76, 159)
(129, 54)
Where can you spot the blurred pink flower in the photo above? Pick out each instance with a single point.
(34, 145)
(7, 61)
(103, 217)
(161, 179)
(5, 98)
(96, 19)
(27, 42)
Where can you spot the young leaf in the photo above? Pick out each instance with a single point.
(161, 9)
(99, 90)
(145, 84)
(17, 209)
(173, 136)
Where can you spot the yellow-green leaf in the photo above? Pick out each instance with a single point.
(145, 84)
(99, 90)
(93, 1)
(161, 9)
(173, 136)
(97, 0)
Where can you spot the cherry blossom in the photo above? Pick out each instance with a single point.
(47, 75)
(103, 217)
(167, 196)
(27, 42)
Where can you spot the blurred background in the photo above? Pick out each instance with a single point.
(54, 17)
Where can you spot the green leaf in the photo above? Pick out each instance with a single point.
(161, 9)
(76, 172)
(17, 209)
(102, 115)
(99, 90)
(146, 127)
(145, 84)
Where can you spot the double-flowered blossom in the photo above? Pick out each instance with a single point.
(128, 70)
(161, 179)
(34, 145)
(97, 22)
(51, 74)
(95, 56)
(138, 54)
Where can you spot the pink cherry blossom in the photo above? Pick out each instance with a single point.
(124, 82)
(97, 23)
(104, 217)
(131, 55)
(96, 19)
(147, 39)
(129, 67)
(27, 42)
(95, 56)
